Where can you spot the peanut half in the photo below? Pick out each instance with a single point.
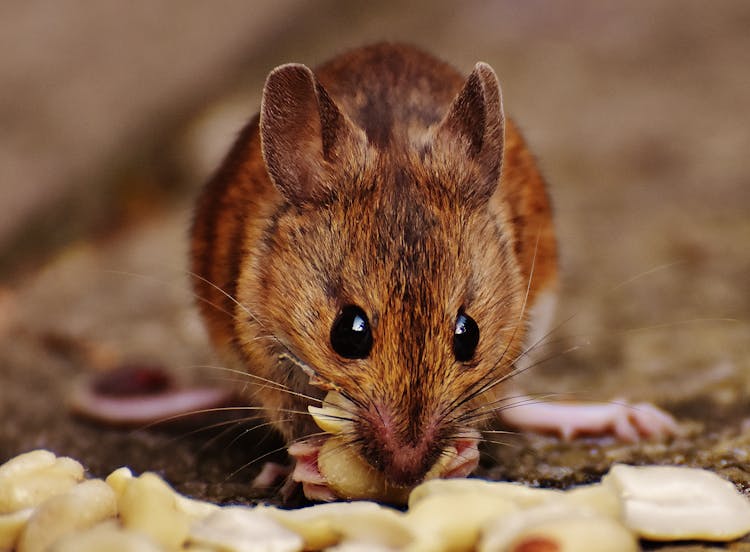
(669, 502)
(31, 478)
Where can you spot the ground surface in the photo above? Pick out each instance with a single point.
(638, 113)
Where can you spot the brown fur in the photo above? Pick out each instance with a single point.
(374, 182)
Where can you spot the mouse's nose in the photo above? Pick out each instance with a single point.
(403, 452)
(404, 464)
(412, 467)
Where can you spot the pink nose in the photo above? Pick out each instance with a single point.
(407, 465)
(404, 460)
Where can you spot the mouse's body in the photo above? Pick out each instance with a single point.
(381, 230)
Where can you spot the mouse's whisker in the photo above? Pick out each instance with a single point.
(585, 339)
(246, 309)
(340, 445)
(313, 375)
(491, 455)
(358, 404)
(493, 381)
(647, 272)
(241, 374)
(521, 317)
(231, 423)
(487, 384)
(243, 432)
(309, 436)
(274, 451)
(480, 412)
(256, 427)
(183, 415)
(501, 432)
(346, 417)
(501, 443)
(229, 296)
(294, 360)
(517, 370)
(483, 384)
(254, 461)
(168, 283)
(489, 411)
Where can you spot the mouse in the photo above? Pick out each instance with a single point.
(380, 229)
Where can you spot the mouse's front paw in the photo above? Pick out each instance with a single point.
(307, 472)
(628, 422)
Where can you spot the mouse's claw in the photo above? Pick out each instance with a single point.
(648, 420)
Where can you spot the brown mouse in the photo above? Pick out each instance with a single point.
(379, 229)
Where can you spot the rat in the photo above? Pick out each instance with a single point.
(380, 229)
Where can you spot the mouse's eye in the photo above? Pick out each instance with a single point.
(350, 334)
(465, 337)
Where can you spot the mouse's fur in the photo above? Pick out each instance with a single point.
(374, 181)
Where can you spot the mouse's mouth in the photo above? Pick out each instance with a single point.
(331, 468)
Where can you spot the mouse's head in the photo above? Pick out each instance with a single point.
(387, 270)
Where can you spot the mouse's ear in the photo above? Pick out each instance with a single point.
(474, 127)
(304, 135)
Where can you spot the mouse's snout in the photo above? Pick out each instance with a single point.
(404, 451)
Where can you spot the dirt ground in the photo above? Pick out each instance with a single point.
(638, 113)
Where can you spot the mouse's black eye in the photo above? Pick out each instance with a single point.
(350, 334)
(465, 337)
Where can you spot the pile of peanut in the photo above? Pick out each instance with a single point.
(47, 504)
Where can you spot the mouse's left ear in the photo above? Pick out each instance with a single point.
(474, 128)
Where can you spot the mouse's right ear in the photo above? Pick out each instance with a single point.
(304, 135)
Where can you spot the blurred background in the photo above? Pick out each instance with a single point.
(112, 116)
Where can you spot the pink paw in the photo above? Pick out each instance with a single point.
(307, 473)
(628, 422)
(463, 459)
(271, 474)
